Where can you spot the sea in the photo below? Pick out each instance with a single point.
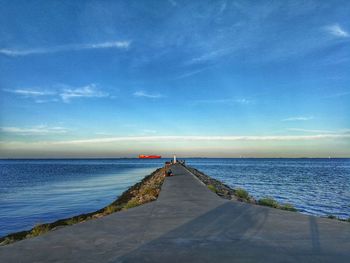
(42, 191)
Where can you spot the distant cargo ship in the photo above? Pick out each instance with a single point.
(141, 156)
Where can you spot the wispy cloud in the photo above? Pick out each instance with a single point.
(148, 131)
(189, 74)
(63, 93)
(192, 73)
(148, 95)
(310, 130)
(30, 92)
(223, 7)
(244, 101)
(208, 138)
(212, 55)
(88, 91)
(241, 101)
(172, 2)
(35, 130)
(113, 44)
(336, 30)
(104, 133)
(36, 94)
(338, 95)
(73, 47)
(299, 118)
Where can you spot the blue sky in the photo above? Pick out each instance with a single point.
(196, 78)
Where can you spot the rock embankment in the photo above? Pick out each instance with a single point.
(238, 194)
(222, 189)
(143, 192)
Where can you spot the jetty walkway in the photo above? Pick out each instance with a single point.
(189, 223)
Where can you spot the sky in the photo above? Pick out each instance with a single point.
(196, 78)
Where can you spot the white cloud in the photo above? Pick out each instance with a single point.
(64, 93)
(113, 44)
(212, 55)
(242, 101)
(74, 47)
(149, 131)
(189, 74)
(310, 131)
(38, 95)
(336, 30)
(35, 130)
(46, 100)
(148, 95)
(207, 138)
(299, 118)
(30, 92)
(193, 72)
(88, 91)
(104, 133)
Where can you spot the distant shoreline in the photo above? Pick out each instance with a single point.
(166, 158)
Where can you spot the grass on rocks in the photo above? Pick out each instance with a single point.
(212, 188)
(288, 207)
(241, 193)
(143, 192)
(268, 201)
(39, 230)
(132, 203)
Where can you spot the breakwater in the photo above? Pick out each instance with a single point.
(315, 186)
(190, 223)
(39, 191)
(143, 192)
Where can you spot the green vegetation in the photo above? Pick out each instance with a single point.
(149, 190)
(132, 203)
(241, 193)
(288, 207)
(39, 230)
(72, 221)
(111, 209)
(331, 217)
(212, 188)
(267, 201)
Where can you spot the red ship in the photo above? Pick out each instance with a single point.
(141, 156)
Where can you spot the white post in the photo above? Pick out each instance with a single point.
(174, 158)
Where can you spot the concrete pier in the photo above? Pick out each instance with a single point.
(189, 223)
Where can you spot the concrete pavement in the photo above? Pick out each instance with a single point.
(189, 223)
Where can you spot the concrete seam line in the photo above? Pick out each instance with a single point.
(194, 175)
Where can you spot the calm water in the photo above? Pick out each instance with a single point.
(38, 191)
(313, 186)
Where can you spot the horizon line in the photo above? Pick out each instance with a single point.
(177, 157)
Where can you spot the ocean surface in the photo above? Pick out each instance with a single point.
(40, 191)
